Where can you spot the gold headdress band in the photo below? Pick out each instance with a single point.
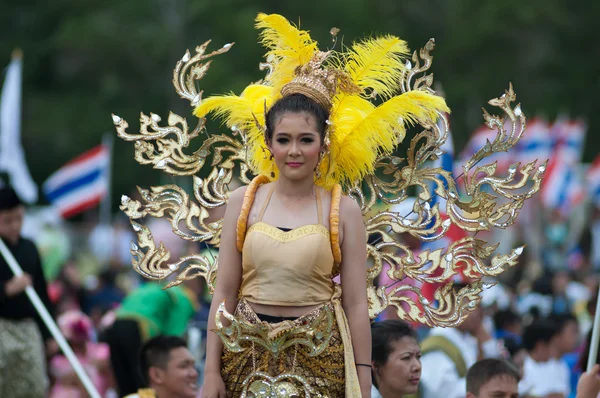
(318, 83)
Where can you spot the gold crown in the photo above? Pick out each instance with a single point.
(317, 82)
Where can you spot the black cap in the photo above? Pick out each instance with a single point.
(9, 198)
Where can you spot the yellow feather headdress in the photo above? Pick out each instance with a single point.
(345, 82)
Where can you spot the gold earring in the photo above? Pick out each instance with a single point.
(272, 166)
(318, 167)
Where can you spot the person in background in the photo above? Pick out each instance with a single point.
(168, 369)
(94, 357)
(66, 291)
(537, 374)
(493, 378)
(396, 359)
(508, 326)
(147, 312)
(564, 343)
(22, 331)
(104, 297)
(449, 352)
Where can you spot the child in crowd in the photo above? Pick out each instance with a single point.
(94, 357)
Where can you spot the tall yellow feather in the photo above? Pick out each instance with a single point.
(377, 64)
(241, 111)
(238, 110)
(364, 132)
(289, 47)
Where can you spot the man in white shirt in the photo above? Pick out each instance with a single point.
(449, 352)
(539, 376)
(564, 342)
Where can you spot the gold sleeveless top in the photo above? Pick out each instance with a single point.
(288, 268)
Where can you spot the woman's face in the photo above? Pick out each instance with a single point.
(401, 373)
(295, 144)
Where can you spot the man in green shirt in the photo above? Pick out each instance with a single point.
(147, 312)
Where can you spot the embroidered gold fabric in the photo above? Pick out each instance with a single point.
(288, 236)
(293, 368)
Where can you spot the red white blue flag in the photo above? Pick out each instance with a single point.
(80, 184)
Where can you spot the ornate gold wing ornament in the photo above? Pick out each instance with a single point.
(393, 95)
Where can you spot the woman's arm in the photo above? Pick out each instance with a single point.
(229, 276)
(354, 288)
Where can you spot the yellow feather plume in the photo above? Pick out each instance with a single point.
(238, 110)
(289, 47)
(377, 64)
(241, 111)
(364, 132)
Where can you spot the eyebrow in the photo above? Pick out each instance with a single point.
(410, 352)
(303, 133)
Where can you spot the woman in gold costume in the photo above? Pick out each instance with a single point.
(290, 232)
(284, 272)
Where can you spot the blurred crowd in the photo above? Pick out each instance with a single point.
(537, 315)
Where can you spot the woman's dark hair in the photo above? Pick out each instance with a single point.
(296, 103)
(383, 334)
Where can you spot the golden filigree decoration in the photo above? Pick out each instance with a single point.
(222, 156)
(240, 335)
(478, 210)
(286, 385)
(190, 69)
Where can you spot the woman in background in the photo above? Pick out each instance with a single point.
(396, 359)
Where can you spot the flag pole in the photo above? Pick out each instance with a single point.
(50, 324)
(105, 206)
(593, 353)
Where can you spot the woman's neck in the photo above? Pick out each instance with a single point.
(388, 392)
(294, 188)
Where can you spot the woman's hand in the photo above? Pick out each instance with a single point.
(17, 285)
(589, 383)
(213, 386)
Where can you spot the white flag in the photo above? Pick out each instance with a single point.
(12, 157)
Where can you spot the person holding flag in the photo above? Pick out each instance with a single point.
(22, 332)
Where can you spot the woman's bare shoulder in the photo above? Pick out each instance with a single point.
(237, 195)
(349, 207)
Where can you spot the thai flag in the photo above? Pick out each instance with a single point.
(593, 181)
(80, 184)
(537, 142)
(570, 137)
(562, 188)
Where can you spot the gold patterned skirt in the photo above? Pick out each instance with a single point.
(299, 358)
